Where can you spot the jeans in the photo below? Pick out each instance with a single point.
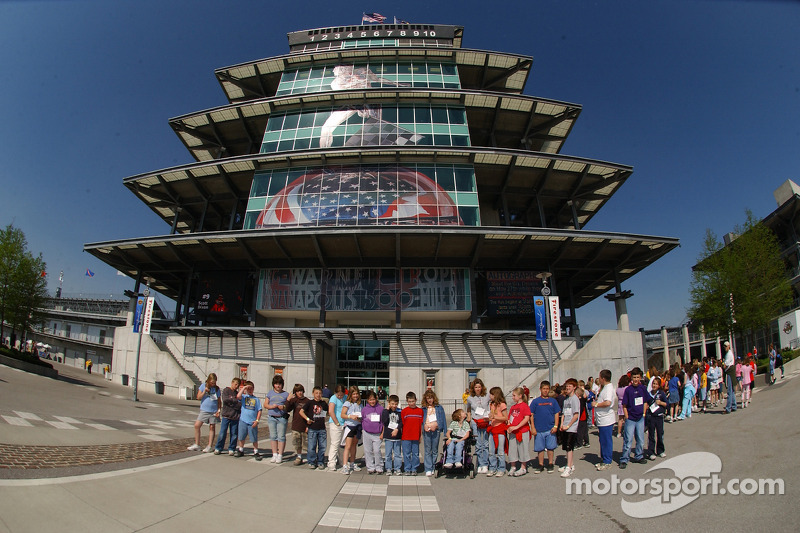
(431, 441)
(481, 445)
(731, 405)
(655, 435)
(497, 453)
(633, 430)
(607, 442)
(232, 428)
(317, 442)
(686, 409)
(334, 442)
(394, 455)
(455, 451)
(277, 428)
(411, 455)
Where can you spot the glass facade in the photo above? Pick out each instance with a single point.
(364, 364)
(374, 74)
(429, 194)
(368, 125)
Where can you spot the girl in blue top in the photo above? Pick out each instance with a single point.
(276, 400)
(351, 413)
(210, 405)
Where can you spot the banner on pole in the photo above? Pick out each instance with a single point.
(555, 317)
(148, 316)
(540, 314)
(137, 315)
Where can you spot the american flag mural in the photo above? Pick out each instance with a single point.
(348, 196)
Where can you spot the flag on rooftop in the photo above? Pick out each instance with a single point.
(89, 273)
(401, 21)
(372, 17)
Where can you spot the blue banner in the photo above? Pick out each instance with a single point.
(137, 316)
(540, 312)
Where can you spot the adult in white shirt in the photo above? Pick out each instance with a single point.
(730, 377)
(605, 416)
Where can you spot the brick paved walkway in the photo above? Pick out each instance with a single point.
(38, 457)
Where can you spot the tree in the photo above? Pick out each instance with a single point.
(742, 286)
(12, 249)
(23, 286)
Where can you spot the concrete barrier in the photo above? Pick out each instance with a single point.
(29, 367)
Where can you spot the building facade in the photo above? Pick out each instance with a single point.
(379, 206)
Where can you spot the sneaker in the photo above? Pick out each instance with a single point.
(520, 472)
(499, 473)
(428, 474)
(230, 452)
(651, 457)
(279, 458)
(379, 472)
(345, 470)
(512, 470)
(238, 453)
(217, 452)
(490, 473)
(568, 472)
(298, 461)
(207, 449)
(662, 454)
(193, 448)
(641, 461)
(562, 468)
(257, 456)
(623, 466)
(388, 472)
(408, 473)
(550, 469)
(448, 465)
(398, 473)
(273, 459)
(371, 472)
(312, 467)
(538, 469)
(355, 468)
(458, 465)
(603, 466)
(332, 469)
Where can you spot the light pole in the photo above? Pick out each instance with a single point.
(139, 344)
(546, 292)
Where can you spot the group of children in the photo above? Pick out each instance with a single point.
(502, 430)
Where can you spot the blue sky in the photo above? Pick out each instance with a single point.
(702, 98)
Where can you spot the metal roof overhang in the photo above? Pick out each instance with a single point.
(586, 262)
(495, 119)
(477, 69)
(553, 189)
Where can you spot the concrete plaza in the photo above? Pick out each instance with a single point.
(79, 455)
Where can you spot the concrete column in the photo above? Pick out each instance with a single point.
(665, 342)
(687, 357)
(622, 315)
(719, 349)
(703, 353)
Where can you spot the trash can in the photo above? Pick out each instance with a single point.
(125, 379)
(159, 387)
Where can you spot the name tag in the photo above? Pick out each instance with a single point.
(638, 401)
(567, 414)
(374, 417)
(393, 425)
(480, 411)
(654, 407)
(432, 418)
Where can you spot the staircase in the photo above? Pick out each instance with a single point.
(164, 347)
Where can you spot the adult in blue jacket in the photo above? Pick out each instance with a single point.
(434, 424)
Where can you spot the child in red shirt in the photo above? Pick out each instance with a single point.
(519, 437)
(411, 417)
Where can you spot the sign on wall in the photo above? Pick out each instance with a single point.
(511, 293)
(356, 289)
